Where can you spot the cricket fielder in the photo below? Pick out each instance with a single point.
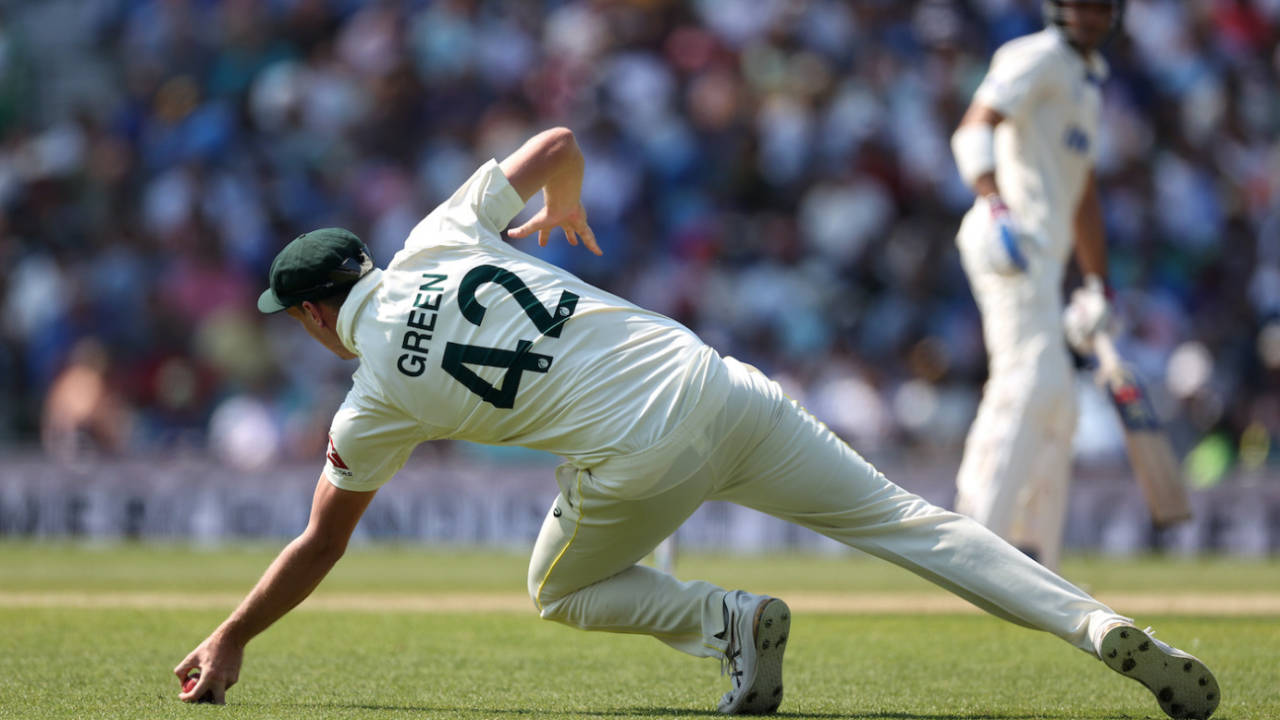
(1026, 146)
(463, 336)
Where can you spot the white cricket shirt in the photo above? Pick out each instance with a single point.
(1051, 99)
(463, 336)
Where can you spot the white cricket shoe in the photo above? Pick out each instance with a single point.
(1183, 686)
(758, 626)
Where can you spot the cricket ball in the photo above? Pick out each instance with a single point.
(190, 683)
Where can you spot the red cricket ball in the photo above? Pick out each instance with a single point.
(190, 683)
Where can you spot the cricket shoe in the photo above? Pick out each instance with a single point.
(1183, 686)
(758, 626)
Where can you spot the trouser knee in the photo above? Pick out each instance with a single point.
(545, 592)
(540, 594)
(555, 606)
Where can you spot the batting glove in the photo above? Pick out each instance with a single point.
(1009, 250)
(1088, 313)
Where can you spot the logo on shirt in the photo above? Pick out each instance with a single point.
(1076, 140)
(335, 460)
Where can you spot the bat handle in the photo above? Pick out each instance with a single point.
(1105, 348)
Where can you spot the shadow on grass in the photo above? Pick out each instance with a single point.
(648, 711)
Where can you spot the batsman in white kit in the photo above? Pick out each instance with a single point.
(1026, 146)
(463, 336)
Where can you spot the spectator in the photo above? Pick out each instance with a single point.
(727, 140)
(83, 413)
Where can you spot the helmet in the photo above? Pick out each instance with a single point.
(1054, 15)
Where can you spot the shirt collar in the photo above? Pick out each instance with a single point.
(360, 293)
(1096, 68)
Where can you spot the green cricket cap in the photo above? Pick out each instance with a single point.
(315, 265)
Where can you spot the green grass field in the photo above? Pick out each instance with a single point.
(93, 633)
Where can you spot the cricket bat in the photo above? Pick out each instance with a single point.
(1150, 455)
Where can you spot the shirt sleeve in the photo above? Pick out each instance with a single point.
(1016, 80)
(487, 199)
(368, 443)
(477, 212)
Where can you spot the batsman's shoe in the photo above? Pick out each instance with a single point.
(758, 626)
(1183, 686)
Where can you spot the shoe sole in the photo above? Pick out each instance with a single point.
(772, 627)
(1183, 686)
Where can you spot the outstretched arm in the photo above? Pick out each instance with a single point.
(296, 571)
(551, 162)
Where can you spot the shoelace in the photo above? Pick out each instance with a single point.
(1159, 643)
(728, 661)
(729, 666)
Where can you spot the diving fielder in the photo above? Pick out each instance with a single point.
(463, 336)
(1026, 146)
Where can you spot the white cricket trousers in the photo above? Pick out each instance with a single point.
(1016, 470)
(765, 452)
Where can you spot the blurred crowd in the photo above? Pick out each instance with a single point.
(775, 174)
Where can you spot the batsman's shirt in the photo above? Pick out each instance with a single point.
(462, 336)
(1051, 100)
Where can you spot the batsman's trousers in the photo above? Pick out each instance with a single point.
(764, 451)
(1016, 469)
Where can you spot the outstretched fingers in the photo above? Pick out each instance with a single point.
(534, 223)
(589, 239)
(576, 230)
(581, 231)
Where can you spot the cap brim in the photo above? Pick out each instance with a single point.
(268, 302)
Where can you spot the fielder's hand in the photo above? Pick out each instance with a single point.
(1009, 250)
(1088, 313)
(570, 217)
(218, 660)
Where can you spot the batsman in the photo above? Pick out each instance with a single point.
(1026, 146)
